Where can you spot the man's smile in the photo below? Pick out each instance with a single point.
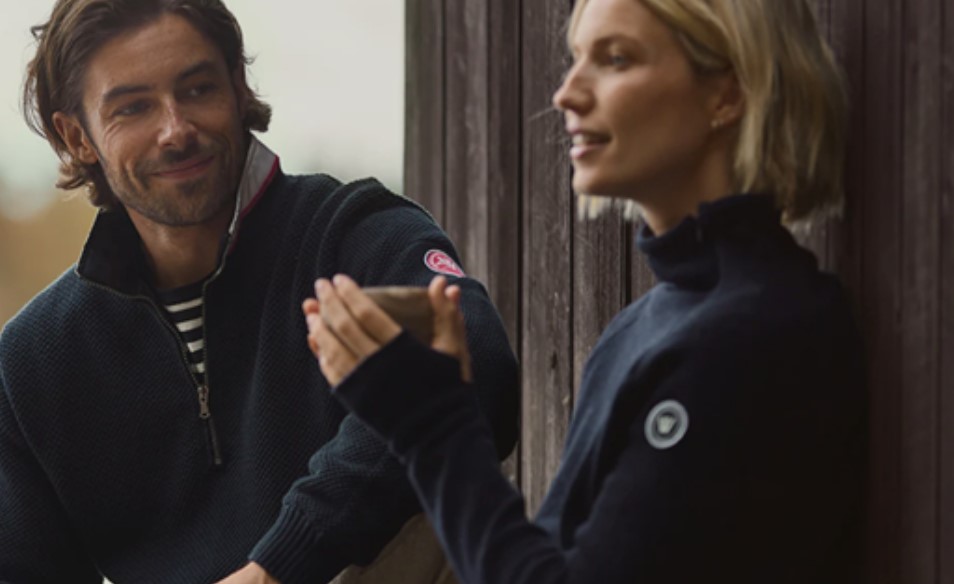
(188, 169)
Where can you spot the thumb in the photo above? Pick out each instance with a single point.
(460, 327)
(450, 334)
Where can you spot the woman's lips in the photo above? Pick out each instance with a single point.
(586, 143)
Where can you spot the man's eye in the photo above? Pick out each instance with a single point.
(200, 90)
(132, 109)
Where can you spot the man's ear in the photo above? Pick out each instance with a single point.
(728, 102)
(74, 136)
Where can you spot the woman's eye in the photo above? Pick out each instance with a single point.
(618, 60)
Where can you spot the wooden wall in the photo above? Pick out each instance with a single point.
(487, 154)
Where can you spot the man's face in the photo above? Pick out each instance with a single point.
(163, 118)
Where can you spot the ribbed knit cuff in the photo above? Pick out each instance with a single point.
(403, 388)
(288, 552)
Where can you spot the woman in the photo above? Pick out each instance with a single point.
(719, 431)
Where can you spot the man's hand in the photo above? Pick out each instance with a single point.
(250, 574)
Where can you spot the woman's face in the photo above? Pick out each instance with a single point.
(640, 118)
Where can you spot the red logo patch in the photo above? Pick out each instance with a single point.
(440, 262)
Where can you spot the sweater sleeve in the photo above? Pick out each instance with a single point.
(356, 496)
(37, 544)
(705, 507)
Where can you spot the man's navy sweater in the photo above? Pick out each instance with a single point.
(105, 464)
(718, 435)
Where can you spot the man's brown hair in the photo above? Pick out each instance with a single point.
(75, 31)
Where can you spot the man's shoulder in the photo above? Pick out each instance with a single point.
(334, 192)
(339, 207)
(43, 316)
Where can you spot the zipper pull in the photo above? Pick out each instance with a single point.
(204, 412)
(214, 442)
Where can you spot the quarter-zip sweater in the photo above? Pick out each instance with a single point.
(115, 461)
(718, 435)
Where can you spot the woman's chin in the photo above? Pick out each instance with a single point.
(593, 186)
(585, 185)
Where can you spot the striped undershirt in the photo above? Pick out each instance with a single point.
(184, 307)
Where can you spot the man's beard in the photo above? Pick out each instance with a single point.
(184, 203)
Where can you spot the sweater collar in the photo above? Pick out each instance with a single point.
(261, 166)
(686, 255)
(113, 255)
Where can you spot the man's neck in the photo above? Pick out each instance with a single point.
(179, 256)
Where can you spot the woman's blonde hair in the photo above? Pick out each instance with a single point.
(791, 136)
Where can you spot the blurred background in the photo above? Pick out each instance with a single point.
(333, 72)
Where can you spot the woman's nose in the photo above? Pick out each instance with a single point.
(572, 94)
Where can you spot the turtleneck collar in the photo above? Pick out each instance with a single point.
(686, 255)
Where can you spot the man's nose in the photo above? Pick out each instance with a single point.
(177, 130)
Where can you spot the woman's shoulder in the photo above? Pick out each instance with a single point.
(779, 292)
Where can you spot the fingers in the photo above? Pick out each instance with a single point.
(444, 339)
(252, 573)
(311, 305)
(334, 358)
(460, 331)
(311, 308)
(374, 321)
(450, 335)
(345, 326)
(339, 320)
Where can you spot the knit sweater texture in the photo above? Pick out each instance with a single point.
(718, 436)
(108, 465)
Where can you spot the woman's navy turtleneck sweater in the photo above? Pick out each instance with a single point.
(719, 434)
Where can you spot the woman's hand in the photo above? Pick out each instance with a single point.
(450, 333)
(345, 326)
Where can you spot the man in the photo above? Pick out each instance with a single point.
(161, 416)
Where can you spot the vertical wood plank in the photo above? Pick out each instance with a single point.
(424, 109)
(817, 236)
(881, 271)
(946, 347)
(466, 122)
(846, 32)
(920, 291)
(847, 245)
(547, 343)
(504, 156)
(599, 282)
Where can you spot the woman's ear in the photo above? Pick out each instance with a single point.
(73, 134)
(727, 102)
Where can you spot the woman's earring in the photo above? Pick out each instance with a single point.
(717, 123)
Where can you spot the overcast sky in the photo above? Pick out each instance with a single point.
(332, 70)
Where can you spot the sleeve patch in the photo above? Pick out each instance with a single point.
(441, 263)
(666, 424)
